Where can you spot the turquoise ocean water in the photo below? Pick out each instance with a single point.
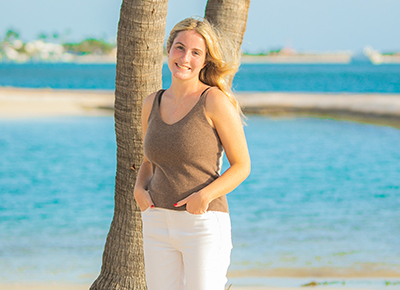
(322, 193)
(361, 77)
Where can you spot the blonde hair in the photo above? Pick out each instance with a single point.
(221, 63)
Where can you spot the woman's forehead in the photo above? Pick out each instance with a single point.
(191, 38)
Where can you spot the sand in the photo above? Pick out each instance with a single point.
(381, 109)
(28, 103)
(55, 286)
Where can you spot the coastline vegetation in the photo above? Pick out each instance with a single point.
(264, 53)
(54, 48)
(326, 283)
(89, 46)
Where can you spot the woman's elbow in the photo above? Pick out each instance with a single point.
(245, 168)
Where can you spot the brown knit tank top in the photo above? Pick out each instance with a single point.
(185, 156)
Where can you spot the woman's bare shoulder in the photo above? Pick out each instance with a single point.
(218, 103)
(148, 101)
(147, 106)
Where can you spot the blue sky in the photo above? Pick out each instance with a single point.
(305, 25)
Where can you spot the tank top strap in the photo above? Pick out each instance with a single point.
(204, 93)
(203, 96)
(158, 97)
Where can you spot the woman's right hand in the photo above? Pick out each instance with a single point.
(143, 199)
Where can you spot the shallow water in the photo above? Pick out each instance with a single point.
(322, 193)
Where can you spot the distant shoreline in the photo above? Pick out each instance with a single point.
(301, 58)
(379, 109)
(323, 58)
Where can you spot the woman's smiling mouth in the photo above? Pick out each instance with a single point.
(182, 67)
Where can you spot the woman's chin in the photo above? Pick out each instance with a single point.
(182, 76)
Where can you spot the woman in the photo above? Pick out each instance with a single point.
(179, 189)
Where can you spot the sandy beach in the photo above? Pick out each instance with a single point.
(55, 286)
(255, 280)
(380, 109)
(27, 103)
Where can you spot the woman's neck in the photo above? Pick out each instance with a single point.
(181, 89)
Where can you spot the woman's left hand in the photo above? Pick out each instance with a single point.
(196, 203)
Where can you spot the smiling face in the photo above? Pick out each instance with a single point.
(187, 55)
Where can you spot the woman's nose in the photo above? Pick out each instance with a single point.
(185, 56)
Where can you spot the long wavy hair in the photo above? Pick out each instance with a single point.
(222, 63)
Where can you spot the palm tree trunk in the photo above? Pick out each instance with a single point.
(141, 33)
(230, 16)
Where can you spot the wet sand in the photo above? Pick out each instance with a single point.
(55, 286)
(380, 109)
(43, 286)
(280, 279)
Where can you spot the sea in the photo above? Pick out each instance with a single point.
(357, 77)
(323, 196)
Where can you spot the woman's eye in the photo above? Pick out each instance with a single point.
(180, 47)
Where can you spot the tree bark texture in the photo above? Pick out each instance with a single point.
(141, 33)
(230, 16)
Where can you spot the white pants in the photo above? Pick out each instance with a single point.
(183, 251)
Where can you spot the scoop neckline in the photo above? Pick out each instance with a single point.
(188, 113)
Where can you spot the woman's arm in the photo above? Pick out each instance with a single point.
(145, 173)
(228, 124)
